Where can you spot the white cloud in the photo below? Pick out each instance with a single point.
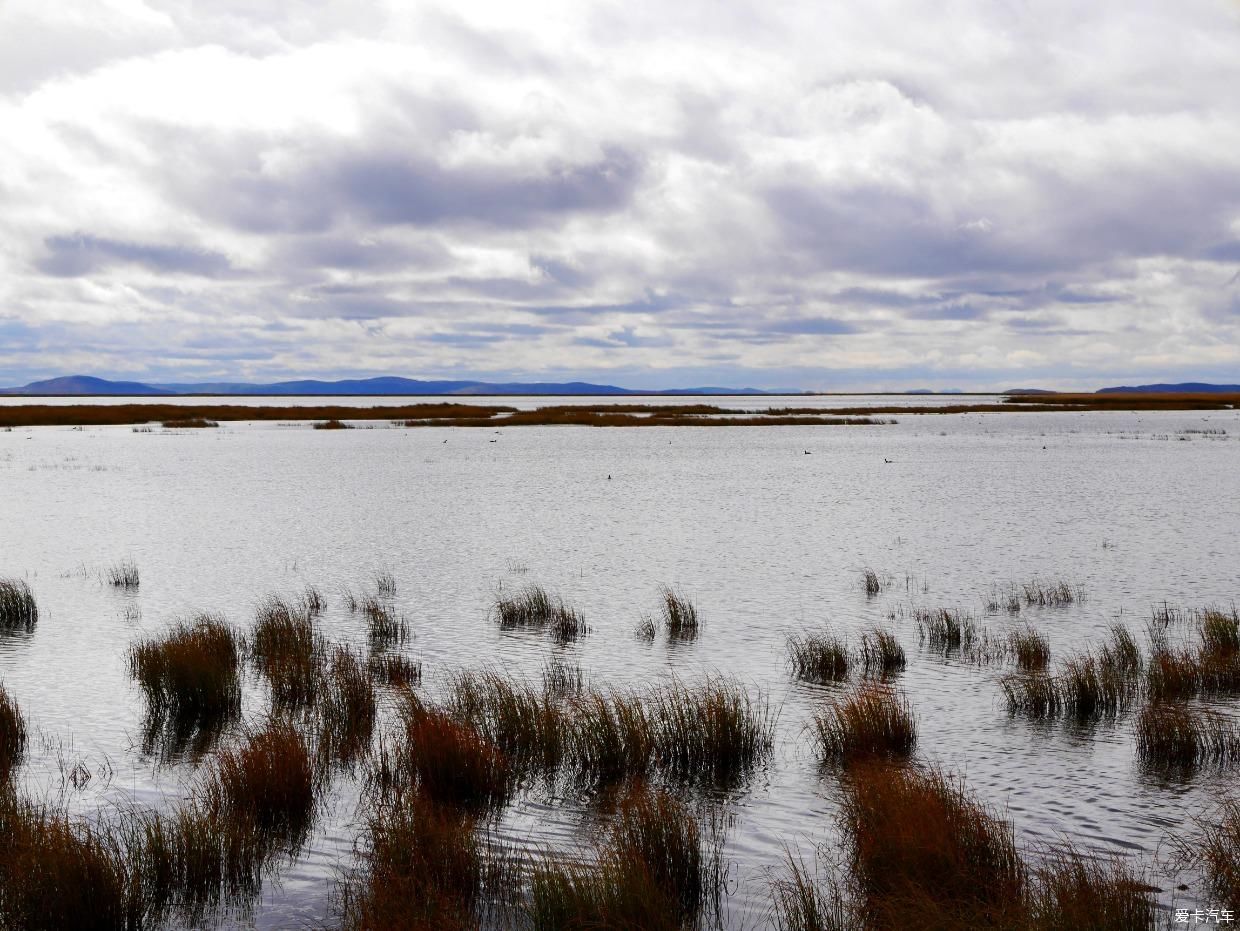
(847, 195)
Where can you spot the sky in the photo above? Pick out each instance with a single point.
(876, 195)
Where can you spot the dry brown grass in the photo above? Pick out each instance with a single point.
(653, 871)
(267, 782)
(12, 736)
(881, 653)
(288, 651)
(874, 721)
(190, 677)
(447, 760)
(347, 708)
(921, 845)
(421, 869)
(1030, 648)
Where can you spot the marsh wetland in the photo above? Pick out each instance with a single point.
(974, 669)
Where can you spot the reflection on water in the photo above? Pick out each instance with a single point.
(764, 540)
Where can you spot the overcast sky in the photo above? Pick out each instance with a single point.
(849, 195)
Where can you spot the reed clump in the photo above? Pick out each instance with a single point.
(1175, 734)
(191, 679)
(801, 901)
(124, 575)
(18, 609)
(288, 651)
(1030, 648)
(192, 669)
(1035, 694)
(871, 582)
(347, 708)
(653, 871)
(12, 737)
(1220, 632)
(421, 869)
(881, 653)
(946, 631)
(395, 670)
(534, 609)
(526, 723)
(447, 760)
(561, 679)
(1053, 594)
(1073, 890)
(332, 424)
(1094, 684)
(61, 872)
(874, 721)
(384, 626)
(268, 783)
(921, 846)
(1220, 851)
(385, 584)
(679, 615)
(713, 732)
(819, 656)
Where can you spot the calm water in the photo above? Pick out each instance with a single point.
(766, 539)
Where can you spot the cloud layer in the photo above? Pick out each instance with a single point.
(853, 196)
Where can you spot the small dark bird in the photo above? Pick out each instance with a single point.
(886, 460)
(807, 452)
(609, 476)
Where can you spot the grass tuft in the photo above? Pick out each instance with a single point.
(874, 721)
(881, 653)
(1052, 594)
(18, 609)
(1174, 734)
(191, 681)
(347, 708)
(871, 583)
(12, 737)
(534, 609)
(383, 625)
(1031, 649)
(946, 631)
(124, 575)
(818, 657)
(679, 615)
(288, 651)
(395, 670)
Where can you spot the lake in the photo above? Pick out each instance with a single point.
(768, 530)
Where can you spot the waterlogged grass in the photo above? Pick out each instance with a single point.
(394, 670)
(18, 609)
(873, 721)
(421, 868)
(445, 759)
(12, 737)
(881, 653)
(268, 782)
(946, 631)
(533, 608)
(921, 845)
(679, 615)
(347, 708)
(654, 870)
(1030, 648)
(1094, 684)
(288, 651)
(1176, 734)
(819, 656)
(124, 575)
(190, 677)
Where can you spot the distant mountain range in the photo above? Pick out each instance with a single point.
(1184, 387)
(87, 385)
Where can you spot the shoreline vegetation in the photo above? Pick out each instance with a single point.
(452, 414)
